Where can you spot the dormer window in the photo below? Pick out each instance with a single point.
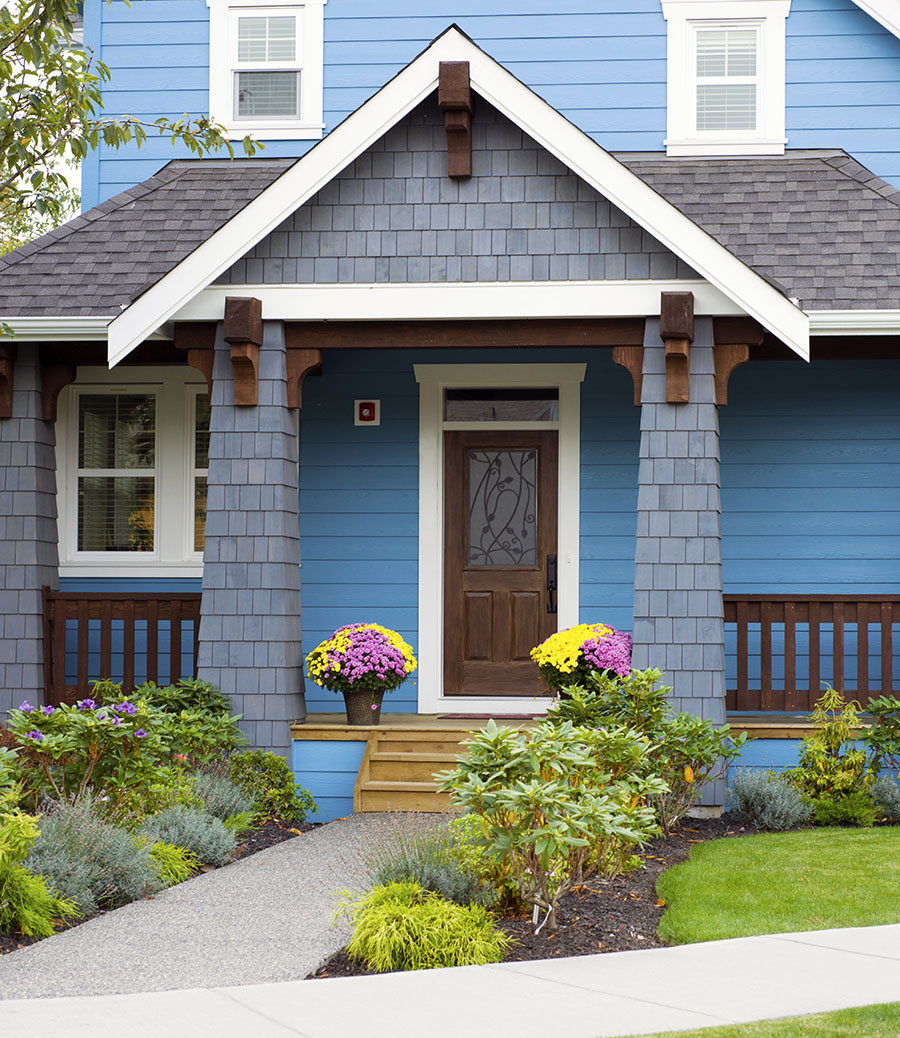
(265, 68)
(725, 76)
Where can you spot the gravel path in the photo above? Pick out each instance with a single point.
(267, 918)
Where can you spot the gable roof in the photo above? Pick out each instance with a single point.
(361, 129)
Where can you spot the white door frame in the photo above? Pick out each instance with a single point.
(433, 379)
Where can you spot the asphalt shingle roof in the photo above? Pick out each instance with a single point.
(100, 261)
(818, 224)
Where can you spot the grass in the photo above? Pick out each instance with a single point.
(881, 1021)
(815, 879)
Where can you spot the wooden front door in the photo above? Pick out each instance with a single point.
(500, 500)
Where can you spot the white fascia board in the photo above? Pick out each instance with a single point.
(885, 12)
(49, 329)
(359, 131)
(419, 301)
(854, 322)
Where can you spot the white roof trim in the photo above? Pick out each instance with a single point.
(756, 296)
(485, 300)
(50, 329)
(885, 12)
(854, 322)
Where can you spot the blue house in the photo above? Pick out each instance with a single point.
(631, 267)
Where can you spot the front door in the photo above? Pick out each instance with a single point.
(499, 559)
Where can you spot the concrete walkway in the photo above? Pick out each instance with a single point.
(626, 993)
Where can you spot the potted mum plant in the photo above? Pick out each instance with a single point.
(362, 661)
(570, 656)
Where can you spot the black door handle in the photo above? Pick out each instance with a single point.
(551, 582)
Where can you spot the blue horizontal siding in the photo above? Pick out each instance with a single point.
(328, 769)
(603, 69)
(768, 754)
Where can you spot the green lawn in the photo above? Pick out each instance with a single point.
(865, 1022)
(815, 879)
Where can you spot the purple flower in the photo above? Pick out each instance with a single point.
(374, 706)
(36, 735)
(128, 708)
(115, 720)
(86, 704)
(48, 710)
(612, 652)
(140, 734)
(25, 705)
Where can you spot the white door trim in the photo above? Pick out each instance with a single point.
(433, 379)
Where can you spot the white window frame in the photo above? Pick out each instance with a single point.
(433, 379)
(191, 471)
(173, 555)
(684, 19)
(223, 66)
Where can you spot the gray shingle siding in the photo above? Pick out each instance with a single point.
(394, 216)
(28, 534)
(250, 642)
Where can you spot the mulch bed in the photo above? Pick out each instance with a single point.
(272, 832)
(602, 916)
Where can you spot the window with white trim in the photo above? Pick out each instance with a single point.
(132, 456)
(726, 71)
(265, 68)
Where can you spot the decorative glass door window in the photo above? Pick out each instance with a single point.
(116, 472)
(267, 70)
(726, 79)
(201, 466)
(502, 508)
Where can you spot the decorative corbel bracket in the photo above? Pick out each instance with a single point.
(7, 365)
(632, 359)
(244, 332)
(54, 378)
(676, 329)
(300, 363)
(726, 359)
(455, 101)
(198, 340)
(733, 337)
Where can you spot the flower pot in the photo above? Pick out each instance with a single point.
(363, 707)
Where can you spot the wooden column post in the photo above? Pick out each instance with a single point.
(455, 101)
(244, 333)
(676, 329)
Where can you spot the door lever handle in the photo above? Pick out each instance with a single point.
(551, 582)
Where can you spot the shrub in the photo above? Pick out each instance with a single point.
(767, 801)
(882, 739)
(854, 808)
(219, 796)
(549, 810)
(239, 823)
(173, 864)
(90, 862)
(431, 858)
(400, 926)
(186, 694)
(494, 874)
(571, 656)
(194, 829)
(267, 779)
(886, 794)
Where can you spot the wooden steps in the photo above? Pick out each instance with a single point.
(398, 767)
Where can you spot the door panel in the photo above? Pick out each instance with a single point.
(500, 525)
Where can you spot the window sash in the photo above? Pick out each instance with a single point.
(725, 102)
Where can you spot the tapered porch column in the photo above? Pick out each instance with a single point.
(250, 611)
(29, 555)
(678, 615)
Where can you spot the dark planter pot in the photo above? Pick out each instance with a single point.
(363, 707)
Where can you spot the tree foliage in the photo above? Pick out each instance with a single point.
(51, 109)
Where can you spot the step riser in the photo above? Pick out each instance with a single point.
(401, 745)
(399, 800)
(405, 771)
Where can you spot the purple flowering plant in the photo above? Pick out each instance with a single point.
(361, 657)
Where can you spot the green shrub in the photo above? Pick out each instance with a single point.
(173, 864)
(186, 694)
(400, 926)
(767, 801)
(194, 829)
(239, 823)
(549, 810)
(27, 906)
(886, 794)
(89, 861)
(882, 739)
(494, 874)
(431, 858)
(219, 796)
(854, 808)
(268, 780)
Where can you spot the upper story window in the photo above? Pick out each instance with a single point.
(725, 76)
(265, 68)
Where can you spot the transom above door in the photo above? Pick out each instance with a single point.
(500, 558)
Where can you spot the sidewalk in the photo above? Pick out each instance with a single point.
(598, 995)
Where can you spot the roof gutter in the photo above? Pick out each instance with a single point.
(61, 329)
(854, 322)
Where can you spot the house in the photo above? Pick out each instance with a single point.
(636, 265)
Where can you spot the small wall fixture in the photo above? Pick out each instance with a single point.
(367, 412)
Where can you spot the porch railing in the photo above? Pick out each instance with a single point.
(130, 637)
(781, 650)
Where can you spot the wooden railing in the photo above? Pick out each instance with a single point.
(84, 633)
(832, 631)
